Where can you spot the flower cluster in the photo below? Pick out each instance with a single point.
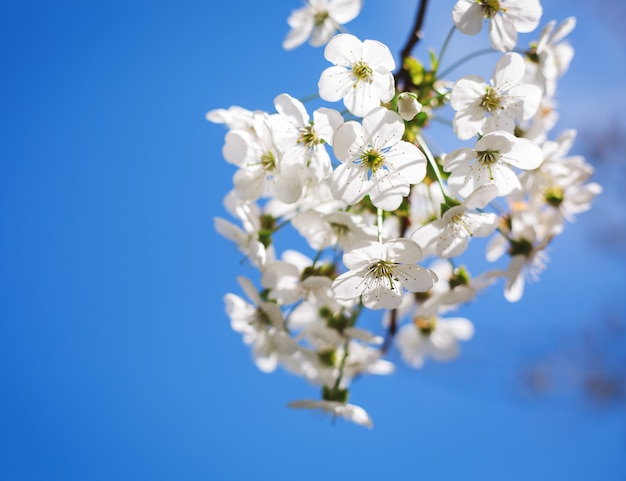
(384, 220)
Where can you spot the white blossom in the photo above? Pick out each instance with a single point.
(379, 272)
(550, 57)
(483, 108)
(318, 21)
(361, 74)
(433, 337)
(506, 18)
(376, 161)
(491, 161)
(450, 235)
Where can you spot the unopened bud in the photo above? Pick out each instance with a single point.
(408, 106)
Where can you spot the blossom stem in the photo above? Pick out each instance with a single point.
(310, 97)
(432, 162)
(318, 254)
(465, 59)
(281, 225)
(341, 366)
(379, 223)
(445, 45)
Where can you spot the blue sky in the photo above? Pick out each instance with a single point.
(117, 360)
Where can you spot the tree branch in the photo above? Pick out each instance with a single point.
(402, 75)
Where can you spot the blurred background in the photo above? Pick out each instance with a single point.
(117, 360)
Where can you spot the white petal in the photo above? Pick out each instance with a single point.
(502, 34)
(406, 158)
(415, 278)
(292, 108)
(343, 49)
(348, 141)
(349, 183)
(335, 83)
(508, 71)
(377, 54)
(524, 154)
(387, 189)
(467, 17)
(344, 10)
(402, 251)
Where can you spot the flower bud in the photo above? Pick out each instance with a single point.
(408, 106)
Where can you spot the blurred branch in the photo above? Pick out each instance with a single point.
(402, 76)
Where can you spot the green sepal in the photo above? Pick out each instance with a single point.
(448, 204)
(334, 394)
(459, 277)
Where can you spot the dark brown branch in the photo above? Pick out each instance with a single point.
(391, 330)
(402, 75)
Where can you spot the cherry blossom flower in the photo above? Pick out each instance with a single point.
(491, 161)
(361, 74)
(449, 236)
(335, 228)
(506, 18)
(484, 108)
(261, 170)
(248, 237)
(318, 21)
(549, 57)
(529, 233)
(376, 161)
(434, 337)
(378, 273)
(560, 182)
(301, 139)
(261, 324)
(294, 278)
(454, 287)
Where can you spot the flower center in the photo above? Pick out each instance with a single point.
(383, 270)
(268, 161)
(308, 137)
(488, 156)
(320, 17)
(362, 72)
(490, 7)
(425, 326)
(372, 159)
(531, 53)
(339, 229)
(262, 318)
(554, 195)
(491, 100)
(520, 247)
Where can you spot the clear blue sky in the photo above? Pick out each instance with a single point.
(117, 361)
